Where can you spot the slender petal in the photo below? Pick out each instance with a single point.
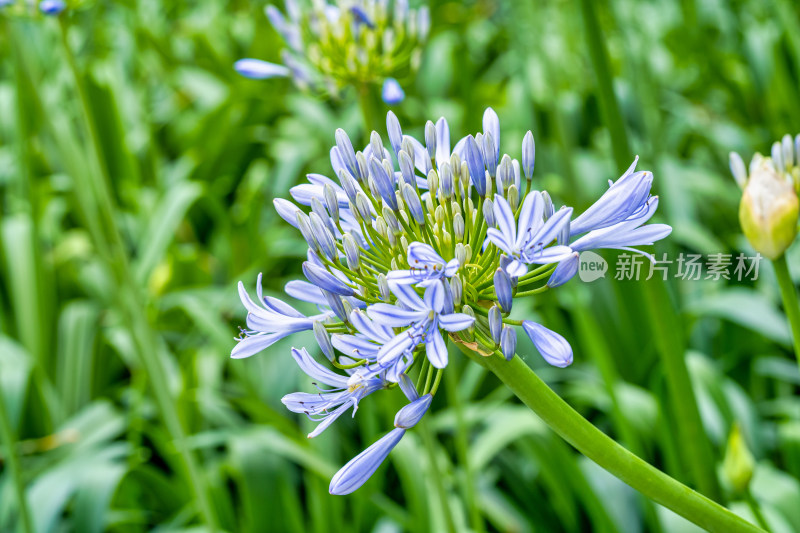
(554, 348)
(249, 68)
(410, 415)
(360, 468)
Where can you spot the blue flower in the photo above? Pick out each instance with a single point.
(391, 92)
(269, 322)
(526, 244)
(365, 345)
(256, 69)
(325, 406)
(52, 7)
(425, 316)
(623, 198)
(408, 247)
(427, 267)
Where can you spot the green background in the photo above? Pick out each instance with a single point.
(137, 171)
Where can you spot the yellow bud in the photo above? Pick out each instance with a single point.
(768, 210)
(738, 463)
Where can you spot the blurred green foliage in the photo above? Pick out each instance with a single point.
(137, 172)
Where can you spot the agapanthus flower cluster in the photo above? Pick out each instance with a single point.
(21, 7)
(331, 46)
(418, 245)
(768, 212)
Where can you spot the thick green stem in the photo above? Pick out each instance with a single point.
(790, 303)
(604, 451)
(663, 316)
(12, 459)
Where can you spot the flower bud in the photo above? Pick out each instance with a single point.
(348, 310)
(489, 151)
(457, 289)
(363, 207)
(495, 323)
(363, 169)
(508, 342)
(408, 148)
(768, 211)
(381, 227)
(304, 226)
(738, 464)
(528, 155)
(323, 339)
(323, 236)
(447, 239)
(467, 310)
(433, 182)
(502, 287)
(458, 227)
(376, 143)
(488, 213)
(430, 139)
(331, 201)
(391, 220)
(352, 253)
(513, 197)
(349, 186)
(336, 304)
(461, 253)
(383, 287)
(446, 181)
(407, 169)
(549, 208)
(439, 215)
(413, 204)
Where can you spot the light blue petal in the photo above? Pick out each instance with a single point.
(360, 468)
(391, 92)
(436, 349)
(554, 348)
(474, 161)
(565, 271)
(442, 141)
(316, 371)
(249, 68)
(434, 296)
(505, 218)
(393, 316)
(499, 240)
(530, 218)
(456, 321)
(410, 415)
(325, 280)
